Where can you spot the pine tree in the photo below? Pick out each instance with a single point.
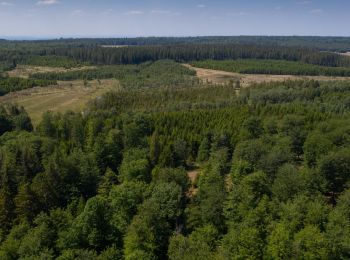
(26, 203)
(154, 148)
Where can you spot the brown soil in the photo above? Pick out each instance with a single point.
(193, 176)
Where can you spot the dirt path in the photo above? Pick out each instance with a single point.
(222, 77)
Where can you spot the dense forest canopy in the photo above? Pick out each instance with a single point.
(11, 84)
(168, 166)
(70, 53)
(338, 44)
(112, 184)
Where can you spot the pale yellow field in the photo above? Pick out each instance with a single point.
(23, 71)
(222, 77)
(68, 95)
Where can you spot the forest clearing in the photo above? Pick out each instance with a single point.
(246, 80)
(66, 96)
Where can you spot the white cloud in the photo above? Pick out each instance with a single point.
(6, 4)
(316, 11)
(47, 2)
(278, 8)
(201, 6)
(134, 12)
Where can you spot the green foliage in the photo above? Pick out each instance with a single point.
(310, 243)
(159, 74)
(149, 229)
(113, 182)
(207, 208)
(316, 146)
(167, 175)
(91, 229)
(242, 243)
(288, 183)
(335, 167)
(124, 201)
(200, 244)
(14, 118)
(279, 244)
(338, 228)
(135, 166)
(14, 84)
(51, 61)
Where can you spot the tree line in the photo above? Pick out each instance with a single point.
(184, 53)
(11, 84)
(338, 44)
(69, 55)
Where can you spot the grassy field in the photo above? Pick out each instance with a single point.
(68, 95)
(224, 77)
(23, 71)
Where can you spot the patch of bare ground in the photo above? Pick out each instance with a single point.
(224, 77)
(24, 71)
(67, 95)
(193, 176)
(345, 53)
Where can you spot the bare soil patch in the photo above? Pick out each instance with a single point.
(193, 176)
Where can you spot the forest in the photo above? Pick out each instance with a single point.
(168, 166)
(10, 84)
(273, 177)
(334, 44)
(98, 55)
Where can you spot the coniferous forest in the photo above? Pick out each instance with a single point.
(169, 166)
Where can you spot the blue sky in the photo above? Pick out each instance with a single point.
(116, 18)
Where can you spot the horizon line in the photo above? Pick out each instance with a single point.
(57, 37)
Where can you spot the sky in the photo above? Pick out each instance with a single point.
(130, 18)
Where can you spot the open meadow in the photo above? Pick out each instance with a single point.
(66, 96)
